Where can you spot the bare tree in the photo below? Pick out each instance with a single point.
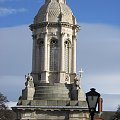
(3, 100)
(5, 113)
(117, 114)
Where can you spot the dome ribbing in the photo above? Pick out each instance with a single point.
(55, 11)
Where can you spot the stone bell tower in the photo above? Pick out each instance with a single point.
(52, 90)
(54, 43)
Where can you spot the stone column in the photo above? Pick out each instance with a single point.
(62, 63)
(44, 74)
(62, 60)
(34, 54)
(73, 57)
(37, 58)
(45, 53)
(73, 69)
(46, 19)
(48, 56)
(34, 59)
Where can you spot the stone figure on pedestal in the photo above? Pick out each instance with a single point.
(29, 81)
(28, 92)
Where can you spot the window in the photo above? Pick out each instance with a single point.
(54, 55)
(41, 53)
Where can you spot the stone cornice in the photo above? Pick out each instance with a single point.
(71, 108)
(54, 24)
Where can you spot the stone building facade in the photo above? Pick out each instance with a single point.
(52, 90)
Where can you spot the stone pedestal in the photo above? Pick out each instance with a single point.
(44, 111)
(52, 102)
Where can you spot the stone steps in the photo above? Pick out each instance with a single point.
(57, 91)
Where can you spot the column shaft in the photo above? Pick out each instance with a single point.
(45, 53)
(34, 57)
(62, 68)
(74, 55)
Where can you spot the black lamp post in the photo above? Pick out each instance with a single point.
(92, 98)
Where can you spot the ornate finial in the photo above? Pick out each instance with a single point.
(81, 73)
(67, 79)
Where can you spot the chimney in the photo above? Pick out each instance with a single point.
(100, 105)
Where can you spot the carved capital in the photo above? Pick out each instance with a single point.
(76, 27)
(74, 37)
(43, 33)
(34, 36)
(53, 33)
(62, 34)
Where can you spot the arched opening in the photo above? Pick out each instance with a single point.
(41, 53)
(53, 55)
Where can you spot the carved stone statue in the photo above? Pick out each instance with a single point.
(29, 81)
(77, 82)
(28, 92)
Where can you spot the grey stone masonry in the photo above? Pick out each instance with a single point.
(52, 113)
(57, 91)
(52, 102)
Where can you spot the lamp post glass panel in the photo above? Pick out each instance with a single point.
(92, 98)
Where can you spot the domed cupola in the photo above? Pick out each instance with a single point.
(55, 11)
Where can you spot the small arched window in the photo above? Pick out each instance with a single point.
(40, 42)
(54, 55)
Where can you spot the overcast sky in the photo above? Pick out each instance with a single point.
(98, 46)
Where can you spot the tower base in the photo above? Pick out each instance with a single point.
(44, 110)
(52, 102)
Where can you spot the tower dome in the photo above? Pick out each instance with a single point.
(55, 11)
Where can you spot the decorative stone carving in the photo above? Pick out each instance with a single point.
(81, 73)
(77, 83)
(77, 92)
(28, 92)
(34, 36)
(75, 89)
(29, 81)
(53, 24)
(68, 35)
(67, 79)
(53, 11)
(42, 34)
(53, 33)
(62, 34)
(74, 36)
